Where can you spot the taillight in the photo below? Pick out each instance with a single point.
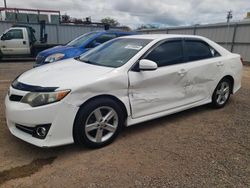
(241, 60)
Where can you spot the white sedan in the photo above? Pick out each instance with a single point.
(125, 81)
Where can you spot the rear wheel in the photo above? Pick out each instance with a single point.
(98, 123)
(222, 93)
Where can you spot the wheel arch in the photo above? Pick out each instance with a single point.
(119, 102)
(231, 79)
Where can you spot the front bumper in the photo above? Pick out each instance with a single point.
(59, 115)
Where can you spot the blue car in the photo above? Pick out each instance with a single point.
(77, 46)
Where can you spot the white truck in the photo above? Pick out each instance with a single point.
(20, 41)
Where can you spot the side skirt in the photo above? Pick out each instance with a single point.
(131, 121)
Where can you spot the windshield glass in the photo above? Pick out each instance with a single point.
(114, 53)
(80, 40)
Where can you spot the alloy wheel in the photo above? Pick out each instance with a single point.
(222, 93)
(101, 124)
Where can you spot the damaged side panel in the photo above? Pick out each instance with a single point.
(114, 84)
(172, 86)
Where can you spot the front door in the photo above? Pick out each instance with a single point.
(162, 89)
(13, 42)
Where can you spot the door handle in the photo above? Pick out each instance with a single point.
(24, 42)
(219, 64)
(182, 72)
(3, 46)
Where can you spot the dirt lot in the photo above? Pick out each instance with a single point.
(200, 147)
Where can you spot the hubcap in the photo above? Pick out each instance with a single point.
(222, 93)
(101, 124)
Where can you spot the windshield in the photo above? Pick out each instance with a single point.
(114, 53)
(80, 40)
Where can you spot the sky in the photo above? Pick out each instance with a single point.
(162, 13)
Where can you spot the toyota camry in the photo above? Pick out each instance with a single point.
(128, 80)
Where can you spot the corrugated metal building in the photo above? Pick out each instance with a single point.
(58, 33)
(233, 36)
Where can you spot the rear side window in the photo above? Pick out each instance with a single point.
(168, 53)
(197, 50)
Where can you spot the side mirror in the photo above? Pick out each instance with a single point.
(147, 65)
(3, 37)
(6, 36)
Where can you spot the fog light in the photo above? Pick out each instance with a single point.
(41, 131)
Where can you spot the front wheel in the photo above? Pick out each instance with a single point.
(98, 123)
(222, 93)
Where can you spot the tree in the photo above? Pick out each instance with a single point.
(65, 18)
(126, 28)
(112, 22)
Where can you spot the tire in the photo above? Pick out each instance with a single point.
(222, 93)
(102, 116)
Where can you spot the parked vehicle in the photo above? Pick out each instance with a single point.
(77, 46)
(20, 41)
(125, 81)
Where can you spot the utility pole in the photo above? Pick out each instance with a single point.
(5, 5)
(229, 15)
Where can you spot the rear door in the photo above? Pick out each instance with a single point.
(162, 89)
(205, 67)
(15, 42)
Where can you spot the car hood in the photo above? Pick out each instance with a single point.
(66, 74)
(69, 51)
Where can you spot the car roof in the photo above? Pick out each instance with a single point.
(162, 36)
(116, 32)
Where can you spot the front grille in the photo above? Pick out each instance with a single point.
(29, 130)
(16, 98)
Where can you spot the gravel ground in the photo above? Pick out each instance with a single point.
(200, 147)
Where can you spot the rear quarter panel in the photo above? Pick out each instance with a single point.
(233, 67)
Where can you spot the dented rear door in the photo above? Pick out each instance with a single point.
(204, 69)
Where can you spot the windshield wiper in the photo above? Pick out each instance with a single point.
(87, 61)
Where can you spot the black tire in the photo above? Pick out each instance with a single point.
(84, 113)
(215, 98)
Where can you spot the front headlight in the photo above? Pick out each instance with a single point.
(38, 99)
(54, 57)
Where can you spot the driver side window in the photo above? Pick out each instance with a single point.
(167, 53)
(13, 34)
